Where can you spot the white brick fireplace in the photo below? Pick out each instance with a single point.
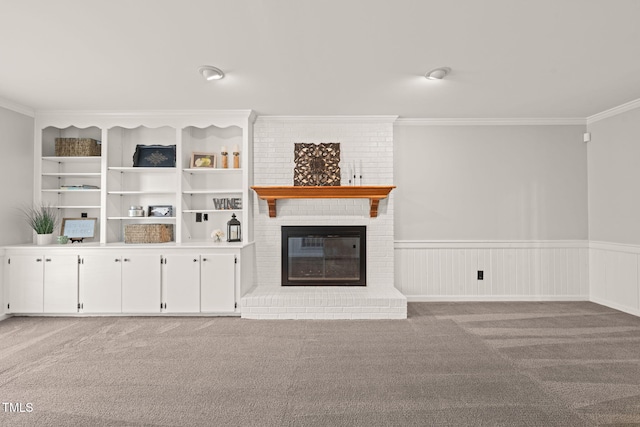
(366, 145)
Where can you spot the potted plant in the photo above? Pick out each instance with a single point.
(43, 220)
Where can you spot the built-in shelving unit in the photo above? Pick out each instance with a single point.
(114, 184)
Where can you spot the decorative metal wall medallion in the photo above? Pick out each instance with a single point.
(317, 164)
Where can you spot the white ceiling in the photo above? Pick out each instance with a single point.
(510, 58)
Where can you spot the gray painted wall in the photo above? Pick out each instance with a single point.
(16, 175)
(490, 183)
(614, 179)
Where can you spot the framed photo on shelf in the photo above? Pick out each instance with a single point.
(77, 229)
(203, 160)
(160, 211)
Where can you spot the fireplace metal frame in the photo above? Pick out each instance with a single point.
(323, 231)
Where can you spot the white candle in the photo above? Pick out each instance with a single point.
(224, 149)
(235, 149)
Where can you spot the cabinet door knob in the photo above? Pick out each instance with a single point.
(126, 260)
(195, 260)
(204, 259)
(117, 260)
(48, 259)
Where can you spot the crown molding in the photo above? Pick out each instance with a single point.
(327, 119)
(147, 113)
(18, 108)
(631, 105)
(493, 122)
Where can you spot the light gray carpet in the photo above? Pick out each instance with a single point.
(449, 364)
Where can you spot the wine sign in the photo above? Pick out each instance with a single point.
(227, 203)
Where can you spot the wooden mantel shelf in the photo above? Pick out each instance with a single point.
(372, 192)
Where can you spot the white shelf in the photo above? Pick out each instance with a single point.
(212, 192)
(136, 192)
(129, 169)
(73, 174)
(60, 190)
(87, 159)
(210, 210)
(210, 170)
(142, 218)
(76, 207)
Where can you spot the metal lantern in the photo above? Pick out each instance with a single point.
(234, 230)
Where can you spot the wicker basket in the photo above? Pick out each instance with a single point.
(148, 233)
(77, 147)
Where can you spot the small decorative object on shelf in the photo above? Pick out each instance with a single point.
(161, 210)
(227, 203)
(63, 240)
(236, 157)
(77, 147)
(217, 235)
(155, 156)
(234, 231)
(203, 160)
(225, 159)
(43, 220)
(136, 211)
(78, 229)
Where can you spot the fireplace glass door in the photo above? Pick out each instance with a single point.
(329, 256)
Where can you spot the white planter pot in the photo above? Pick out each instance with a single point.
(44, 239)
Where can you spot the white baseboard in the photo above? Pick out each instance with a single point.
(496, 298)
(4, 317)
(615, 306)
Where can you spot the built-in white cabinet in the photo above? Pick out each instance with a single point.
(103, 275)
(141, 283)
(181, 283)
(100, 283)
(215, 271)
(199, 283)
(43, 283)
(69, 279)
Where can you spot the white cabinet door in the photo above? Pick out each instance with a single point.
(61, 284)
(217, 281)
(100, 284)
(182, 283)
(26, 279)
(141, 283)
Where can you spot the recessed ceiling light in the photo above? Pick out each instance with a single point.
(438, 73)
(210, 72)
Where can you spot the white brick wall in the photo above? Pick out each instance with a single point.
(365, 142)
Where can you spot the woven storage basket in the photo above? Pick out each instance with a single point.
(72, 147)
(148, 233)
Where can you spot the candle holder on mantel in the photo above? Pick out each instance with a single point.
(236, 160)
(225, 159)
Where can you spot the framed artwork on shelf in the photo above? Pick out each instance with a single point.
(77, 229)
(160, 210)
(155, 156)
(203, 160)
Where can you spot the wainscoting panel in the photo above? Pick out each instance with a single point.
(429, 271)
(613, 272)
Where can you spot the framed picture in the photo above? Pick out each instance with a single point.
(160, 210)
(203, 160)
(78, 228)
(155, 156)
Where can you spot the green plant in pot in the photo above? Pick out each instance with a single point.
(43, 220)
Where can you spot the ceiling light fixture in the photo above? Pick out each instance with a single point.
(211, 73)
(438, 73)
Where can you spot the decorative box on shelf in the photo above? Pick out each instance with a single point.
(148, 233)
(77, 147)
